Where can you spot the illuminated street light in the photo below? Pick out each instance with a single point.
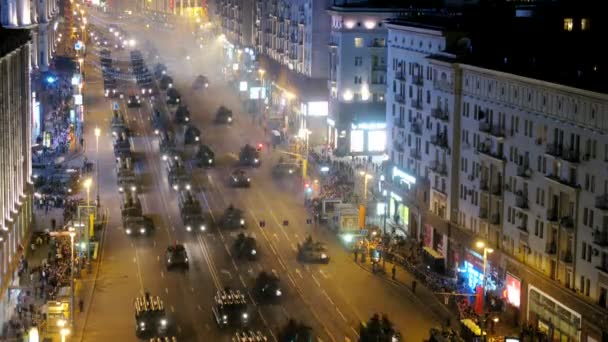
(486, 251)
(87, 185)
(366, 177)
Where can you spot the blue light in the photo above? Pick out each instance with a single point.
(50, 79)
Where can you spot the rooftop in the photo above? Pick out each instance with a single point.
(10, 40)
(537, 47)
(382, 5)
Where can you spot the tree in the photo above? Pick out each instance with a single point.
(378, 329)
(296, 332)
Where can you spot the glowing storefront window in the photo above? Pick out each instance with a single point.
(376, 141)
(357, 141)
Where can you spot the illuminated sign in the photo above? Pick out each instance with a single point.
(331, 122)
(318, 108)
(369, 125)
(257, 93)
(409, 179)
(512, 291)
(396, 197)
(243, 85)
(78, 99)
(357, 141)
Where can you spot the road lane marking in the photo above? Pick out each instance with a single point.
(282, 264)
(234, 264)
(242, 280)
(326, 276)
(355, 331)
(316, 280)
(162, 275)
(299, 273)
(341, 314)
(328, 298)
(199, 308)
(291, 279)
(166, 290)
(293, 247)
(226, 272)
(272, 249)
(172, 309)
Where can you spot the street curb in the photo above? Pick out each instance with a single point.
(92, 291)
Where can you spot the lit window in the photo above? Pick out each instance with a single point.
(358, 42)
(568, 24)
(584, 24)
(357, 140)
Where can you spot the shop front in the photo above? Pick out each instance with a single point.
(401, 219)
(471, 271)
(552, 318)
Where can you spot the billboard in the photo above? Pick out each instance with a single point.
(512, 291)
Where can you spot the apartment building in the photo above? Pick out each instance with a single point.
(39, 16)
(516, 156)
(356, 124)
(15, 153)
(237, 19)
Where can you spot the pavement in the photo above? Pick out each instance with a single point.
(333, 299)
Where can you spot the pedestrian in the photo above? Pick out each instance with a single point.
(53, 224)
(394, 271)
(81, 305)
(356, 254)
(414, 283)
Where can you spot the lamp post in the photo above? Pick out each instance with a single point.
(486, 251)
(97, 134)
(87, 185)
(366, 176)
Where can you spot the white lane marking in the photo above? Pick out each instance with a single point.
(293, 247)
(172, 309)
(341, 314)
(274, 251)
(162, 275)
(293, 282)
(199, 308)
(299, 273)
(325, 275)
(234, 264)
(282, 264)
(242, 280)
(166, 290)
(226, 272)
(328, 298)
(316, 280)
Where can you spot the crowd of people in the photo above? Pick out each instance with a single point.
(42, 283)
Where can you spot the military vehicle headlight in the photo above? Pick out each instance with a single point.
(254, 252)
(242, 221)
(245, 315)
(210, 161)
(323, 256)
(188, 228)
(142, 230)
(278, 293)
(163, 322)
(203, 227)
(128, 231)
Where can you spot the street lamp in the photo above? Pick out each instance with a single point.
(64, 332)
(87, 185)
(97, 134)
(366, 176)
(486, 251)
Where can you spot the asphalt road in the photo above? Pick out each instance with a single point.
(332, 298)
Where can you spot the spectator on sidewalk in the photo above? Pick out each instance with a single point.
(414, 283)
(394, 271)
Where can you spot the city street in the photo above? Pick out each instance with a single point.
(333, 299)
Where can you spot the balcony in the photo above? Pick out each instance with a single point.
(400, 98)
(495, 131)
(521, 201)
(570, 181)
(398, 146)
(567, 222)
(486, 150)
(571, 155)
(483, 213)
(601, 202)
(523, 227)
(566, 257)
(440, 114)
(440, 140)
(417, 80)
(439, 167)
(417, 127)
(416, 154)
(552, 215)
(495, 219)
(400, 76)
(496, 190)
(330, 44)
(399, 123)
(551, 248)
(600, 237)
(484, 185)
(379, 67)
(554, 150)
(524, 171)
(417, 104)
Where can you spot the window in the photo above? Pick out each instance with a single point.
(358, 42)
(584, 251)
(358, 80)
(358, 61)
(568, 24)
(584, 27)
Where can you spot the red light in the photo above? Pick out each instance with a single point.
(260, 146)
(307, 185)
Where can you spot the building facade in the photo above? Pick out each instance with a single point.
(237, 21)
(357, 79)
(515, 161)
(15, 153)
